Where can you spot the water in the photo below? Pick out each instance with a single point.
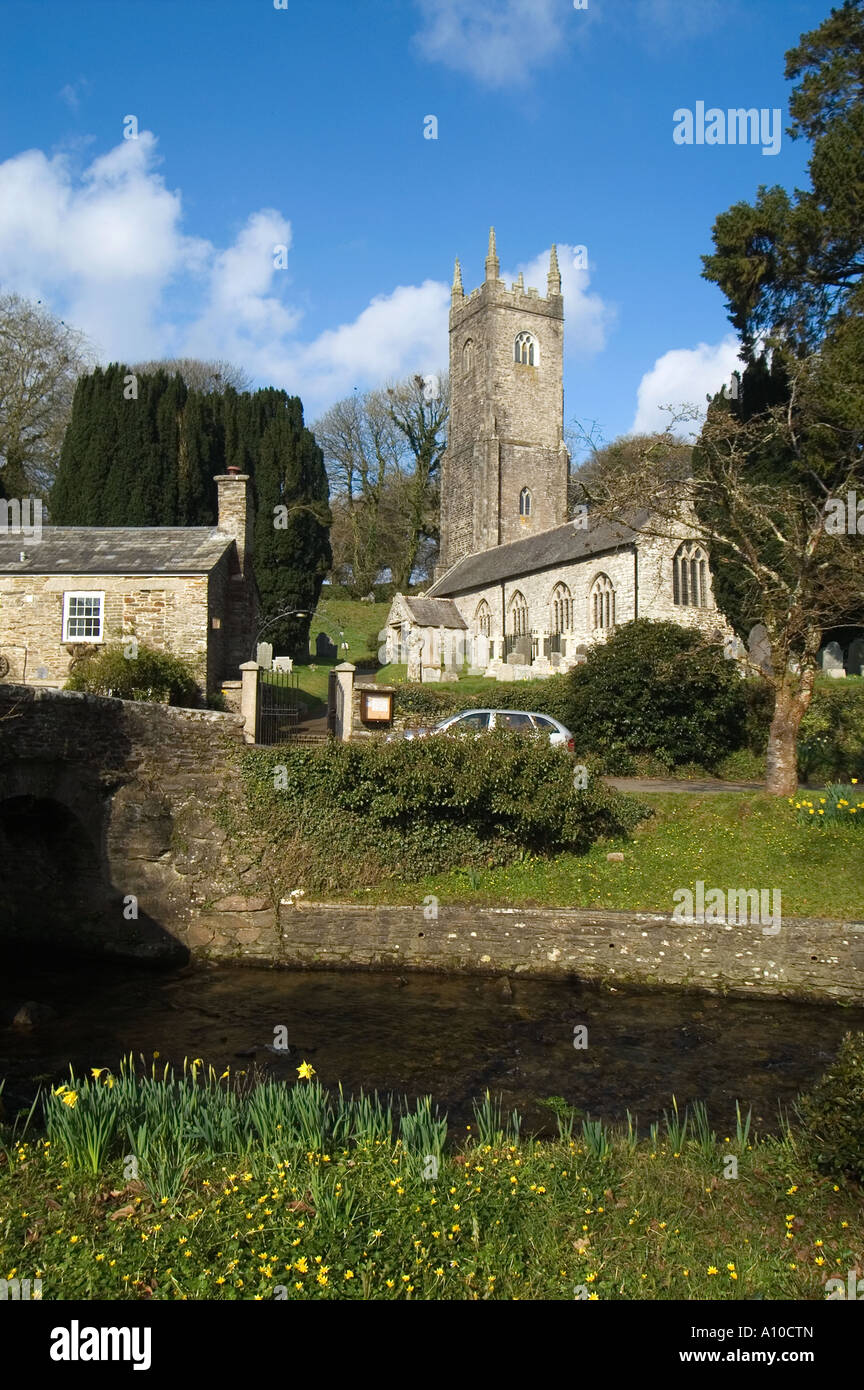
(450, 1036)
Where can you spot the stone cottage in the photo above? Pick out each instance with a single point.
(186, 590)
(521, 590)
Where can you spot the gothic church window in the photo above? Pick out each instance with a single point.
(562, 609)
(518, 615)
(602, 604)
(468, 356)
(526, 350)
(525, 502)
(483, 619)
(690, 576)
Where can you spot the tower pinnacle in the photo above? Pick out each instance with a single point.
(492, 266)
(457, 291)
(553, 280)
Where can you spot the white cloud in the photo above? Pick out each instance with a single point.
(587, 318)
(106, 250)
(73, 92)
(499, 42)
(683, 376)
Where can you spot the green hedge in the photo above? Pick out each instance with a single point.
(833, 1113)
(435, 702)
(340, 814)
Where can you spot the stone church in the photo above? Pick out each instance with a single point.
(521, 590)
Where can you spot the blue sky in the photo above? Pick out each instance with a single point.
(303, 127)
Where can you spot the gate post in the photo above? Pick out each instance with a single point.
(249, 699)
(344, 674)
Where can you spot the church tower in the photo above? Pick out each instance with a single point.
(504, 474)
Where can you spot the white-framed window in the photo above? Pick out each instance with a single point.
(525, 502)
(690, 576)
(602, 603)
(83, 616)
(526, 350)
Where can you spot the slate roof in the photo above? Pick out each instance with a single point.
(434, 612)
(548, 549)
(115, 550)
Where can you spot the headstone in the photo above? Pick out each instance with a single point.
(832, 659)
(264, 656)
(283, 663)
(734, 649)
(431, 673)
(759, 647)
(325, 649)
(556, 659)
(514, 659)
(855, 662)
(415, 656)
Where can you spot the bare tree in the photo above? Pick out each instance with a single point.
(801, 575)
(41, 358)
(383, 451)
(199, 375)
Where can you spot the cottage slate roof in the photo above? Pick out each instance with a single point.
(434, 612)
(115, 550)
(548, 549)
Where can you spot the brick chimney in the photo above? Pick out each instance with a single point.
(236, 513)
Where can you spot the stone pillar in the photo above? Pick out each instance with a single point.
(249, 698)
(344, 674)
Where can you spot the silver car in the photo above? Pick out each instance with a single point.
(480, 721)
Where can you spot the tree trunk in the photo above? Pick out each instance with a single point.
(781, 762)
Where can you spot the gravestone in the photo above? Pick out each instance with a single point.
(522, 648)
(734, 649)
(283, 663)
(415, 656)
(325, 649)
(855, 664)
(759, 648)
(514, 659)
(832, 660)
(264, 656)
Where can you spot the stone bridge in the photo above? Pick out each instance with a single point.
(109, 841)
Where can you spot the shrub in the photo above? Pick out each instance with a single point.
(430, 702)
(832, 1113)
(657, 688)
(831, 738)
(414, 808)
(151, 675)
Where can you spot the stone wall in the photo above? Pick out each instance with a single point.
(812, 959)
(119, 802)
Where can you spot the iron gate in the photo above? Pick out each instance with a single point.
(278, 710)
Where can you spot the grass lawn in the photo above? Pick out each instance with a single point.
(597, 1215)
(731, 839)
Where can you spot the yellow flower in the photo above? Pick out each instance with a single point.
(70, 1098)
(712, 1270)
(305, 1072)
(390, 1283)
(349, 1274)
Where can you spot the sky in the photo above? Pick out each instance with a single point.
(255, 180)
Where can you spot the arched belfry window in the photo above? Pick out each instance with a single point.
(518, 615)
(468, 355)
(690, 576)
(483, 619)
(525, 502)
(601, 604)
(562, 609)
(526, 350)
